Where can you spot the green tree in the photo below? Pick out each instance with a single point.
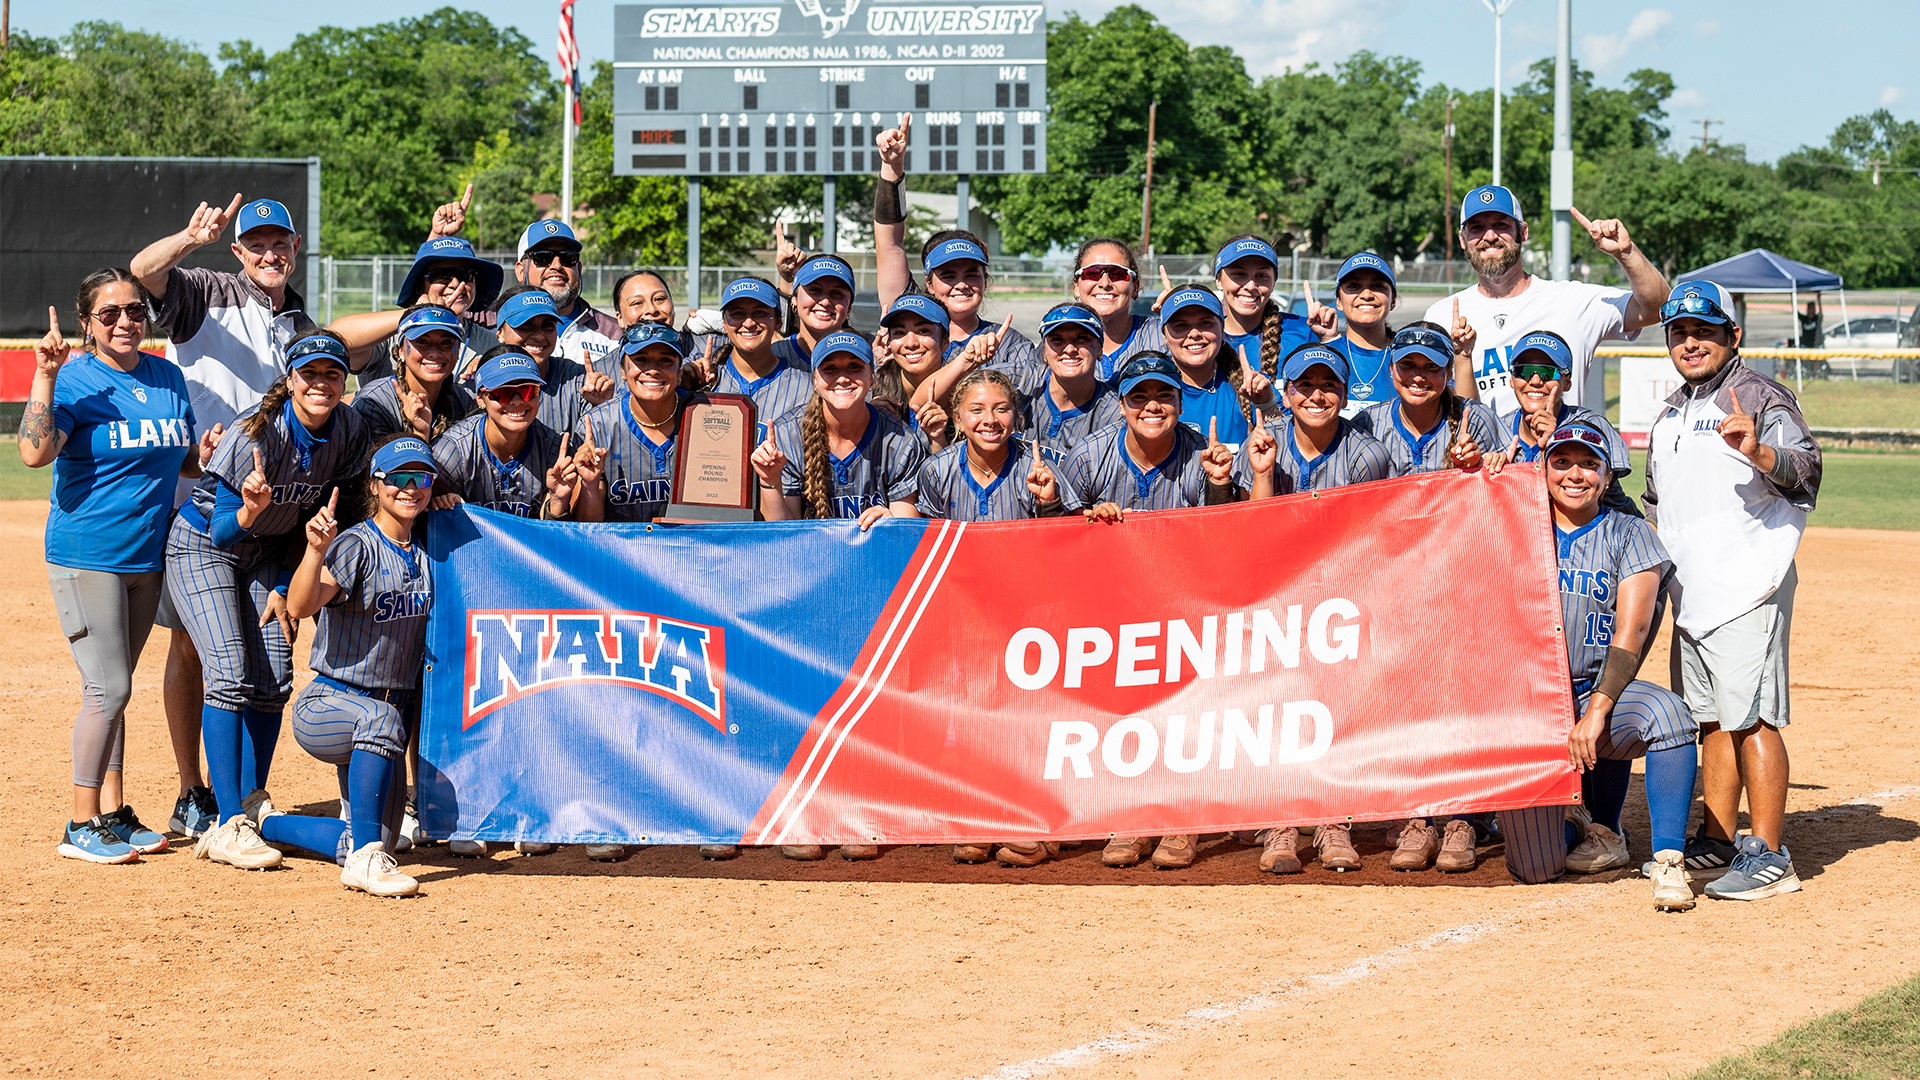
(109, 91)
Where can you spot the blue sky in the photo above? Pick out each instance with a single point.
(1773, 76)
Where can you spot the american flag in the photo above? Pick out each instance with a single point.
(570, 57)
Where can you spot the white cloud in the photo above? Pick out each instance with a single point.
(1891, 96)
(1604, 52)
(1272, 36)
(1687, 98)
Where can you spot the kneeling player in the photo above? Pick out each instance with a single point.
(1611, 566)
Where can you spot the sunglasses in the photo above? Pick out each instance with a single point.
(1530, 372)
(1691, 305)
(133, 313)
(406, 478)
(1583, 436)
(1105, 272)
(544, 259)
(518, 394)
(449, 276)
(1432, 339)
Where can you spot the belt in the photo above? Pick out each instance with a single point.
(390, 695)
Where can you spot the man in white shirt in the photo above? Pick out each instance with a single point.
(1507, 303)
(1732, 470)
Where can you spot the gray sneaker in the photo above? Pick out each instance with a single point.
(1757, 873)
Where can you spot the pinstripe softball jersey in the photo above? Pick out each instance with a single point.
(1146, 336)
(1594, 560)
(302, 467)
(638, 471)
(469, 469)
(881, 469)
(1354, 458)
(1018, 359)
(378, 403)
(1295, 331)
(1055, 431)
(373, 633)
(1619, 459)
(949, 489)
(1100, 470)
(787, 388)
(561, 405)
(1413, 453)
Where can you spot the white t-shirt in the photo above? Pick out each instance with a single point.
(1584, 314)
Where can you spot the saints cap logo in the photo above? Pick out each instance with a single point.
(1486, 196)
(552, 228)
(263, 210)
(829, 24)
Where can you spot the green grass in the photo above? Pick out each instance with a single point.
(1836, 403)
(1859, 490)
(1878, 1039)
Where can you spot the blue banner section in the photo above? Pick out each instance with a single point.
(579, 683)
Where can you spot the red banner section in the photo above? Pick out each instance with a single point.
(1381, 651)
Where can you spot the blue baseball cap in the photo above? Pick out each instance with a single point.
(747, 288)
(395, 456)
(1145, 367)
(507, 369)
(1187, 296)
(1062, 315)
(517, 310)
(1584, 435)
(641, 335)
(917, 304)
(488, 274)
(1490, 199)
(1424, 342)
(1307, 356)
(551, 232)
(1703, 300)
(1242, 248)
(821, 266)
(1367, 260)
(958, 247)
(314, 348)
(261, 213)
(843, 341)
(428, 318)
(1548, 344)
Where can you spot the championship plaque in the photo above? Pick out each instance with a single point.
(713, 480)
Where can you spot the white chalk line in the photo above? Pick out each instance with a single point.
(1275, 994)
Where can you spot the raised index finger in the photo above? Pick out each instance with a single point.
(1735, 395)
(53, 320)
(333, 501)
(1581, 218)
(466, 197)
(1213, 432)
(233, 207)
(1456, 309)
(259, 466)
(779, 232)
(906, 125)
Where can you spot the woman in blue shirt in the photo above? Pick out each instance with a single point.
(1366, 292)
(117, 426)
(1217, 393)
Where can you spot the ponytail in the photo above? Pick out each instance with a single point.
(1270, 341)
(815, 470)
(276, 399)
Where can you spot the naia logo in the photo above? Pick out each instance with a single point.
(512, 655)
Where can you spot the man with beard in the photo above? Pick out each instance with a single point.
(1508, 303)
(549, 259)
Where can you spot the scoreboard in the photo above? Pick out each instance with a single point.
(789, 87)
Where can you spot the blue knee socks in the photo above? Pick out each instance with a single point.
(1670, 774)
(1604, 788)
(220, 733)
(318, 835)
(369, 778)
(259, 735)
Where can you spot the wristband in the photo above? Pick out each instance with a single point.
(1620, 670)
(889, 203)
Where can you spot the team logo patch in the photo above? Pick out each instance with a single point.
(263, 210)
(1486, 196)
(552, 229)
(830, 24)
(512, 655)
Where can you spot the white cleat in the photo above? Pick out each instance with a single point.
(237, 843)
(372, 871)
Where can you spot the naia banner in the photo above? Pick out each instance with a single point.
(1381, 651)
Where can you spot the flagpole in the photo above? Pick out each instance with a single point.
(566, 158)
(569, 56)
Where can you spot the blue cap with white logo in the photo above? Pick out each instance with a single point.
(1307, 356)
(843, 341)
(1187, 296)
(507, 369)
(1148, 366)
(549, 233)
(1584, 435)
(1246, 246)
(395, 456)
(825, 266)
(641, 335)
(261, 213)
(1367, 260)
(427, 318)
(1490, 199)
(1547, 344)
(747, 288)
(522, 307)
(1064, 315)
(958, 247)
(452, 249)
(314, 348)
(917, 304)
(1703, 300)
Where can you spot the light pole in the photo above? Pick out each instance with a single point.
(1561, 182)
(1499, 8)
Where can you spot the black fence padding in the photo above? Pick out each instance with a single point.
(63, 218)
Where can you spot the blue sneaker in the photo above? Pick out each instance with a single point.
(194, 813)
(1758, 872)
(93, 840)
(126, 825)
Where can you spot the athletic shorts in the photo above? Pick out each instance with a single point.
(1736, 675)
(164, 615)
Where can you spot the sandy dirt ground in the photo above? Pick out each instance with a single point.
(912, 966)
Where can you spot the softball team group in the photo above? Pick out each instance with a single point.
(301, 502)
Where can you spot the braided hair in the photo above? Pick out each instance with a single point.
(816, 472)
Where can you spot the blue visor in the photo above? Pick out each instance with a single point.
(1367, 260)
(842, 341)
(642, 335)
(507, 369)
(313, 349)
(825, 266)
(407, 450)
(517, 310)
(426, 319)
(749, 289)
(1308, 356)
(1243, 247)
(1062, 315)
(957, 248)
(917, 304)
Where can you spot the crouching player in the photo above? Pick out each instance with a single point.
(1611, 568)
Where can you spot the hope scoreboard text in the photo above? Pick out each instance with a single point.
(804, 86)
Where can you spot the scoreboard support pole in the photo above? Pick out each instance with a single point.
(829, 213)
(963, 199)
(693, 241)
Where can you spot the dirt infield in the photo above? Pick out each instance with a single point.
(911, 966)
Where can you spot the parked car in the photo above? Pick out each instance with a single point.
(1866, 332)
